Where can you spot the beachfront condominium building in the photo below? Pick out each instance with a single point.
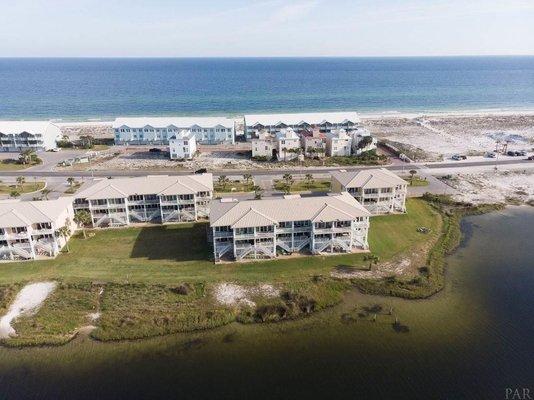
(325, 122)
(380, 191)
(158, 131)
(159, 199)
(313, 143)
(183, 145)
(362, 141)
(16, 136)
(30, 229)
(338, 143)
(258, 229)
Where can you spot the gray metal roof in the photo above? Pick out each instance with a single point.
(158, 185)
(251, 213)
(23, 213)
(368, 178)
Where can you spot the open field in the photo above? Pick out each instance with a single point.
(146, 281)
(434, 137)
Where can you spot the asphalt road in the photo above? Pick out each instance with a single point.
(403, 167)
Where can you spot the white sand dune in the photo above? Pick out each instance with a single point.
(27, 302)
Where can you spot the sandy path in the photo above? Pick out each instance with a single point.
(28, 301)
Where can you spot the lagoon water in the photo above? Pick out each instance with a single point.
(106, 88)
(471, 341)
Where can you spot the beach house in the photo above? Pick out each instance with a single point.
(287, 145)
(313, 143)
(264, 146)
(325, 122)
(362, 141)
(158, 131)
(16, 136)
(183, 145)
(258, 229)
(30, 229)
(380, 191)
(159, 199)
(338, 143)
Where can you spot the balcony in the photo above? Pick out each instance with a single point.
(223, 234)
(48, 231)
(257, 235)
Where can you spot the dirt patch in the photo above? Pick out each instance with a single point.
(27, 302)
(231, 294)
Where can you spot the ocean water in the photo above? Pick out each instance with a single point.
(104, 88)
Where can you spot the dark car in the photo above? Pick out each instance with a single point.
(201, 171)
(155, 150)
(530, 158)
(511, 153)
(521, 153)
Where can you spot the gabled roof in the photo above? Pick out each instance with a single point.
(319, 118)
(22, 213)
(160, 184)
(368, 178)
(17, 127)
(177, 122)
(250, 213)
(253, 218)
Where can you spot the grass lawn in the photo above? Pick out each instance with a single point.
(233, 187)
(316, 185)
(25, 188)
(14, 165)
(416, 181)
(136, 277)
(175, 253)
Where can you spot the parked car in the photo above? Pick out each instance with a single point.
(521, 153)
(458, 157)
(530, 158)
(201, 171)
(155, 150)
(511, 153)
(491, 154)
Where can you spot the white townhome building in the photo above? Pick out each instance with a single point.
(262, 228)
(380, 191)
(325, 121)
(16, 136)
(183, 145)
(338, 143)
(117, 202)
(29, 229)
(158, 131)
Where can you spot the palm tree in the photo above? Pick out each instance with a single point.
(21, 181)
(14, 193)
(258, 191)
(65, 232)
(288, 179)
(412, 174)
(26, 156)
(71, 181)
(82, 218)
(372, 258)
(223, 181)
(247, 178)
(309, 180)
(45, 192)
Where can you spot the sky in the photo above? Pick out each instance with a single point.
(241, 28)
